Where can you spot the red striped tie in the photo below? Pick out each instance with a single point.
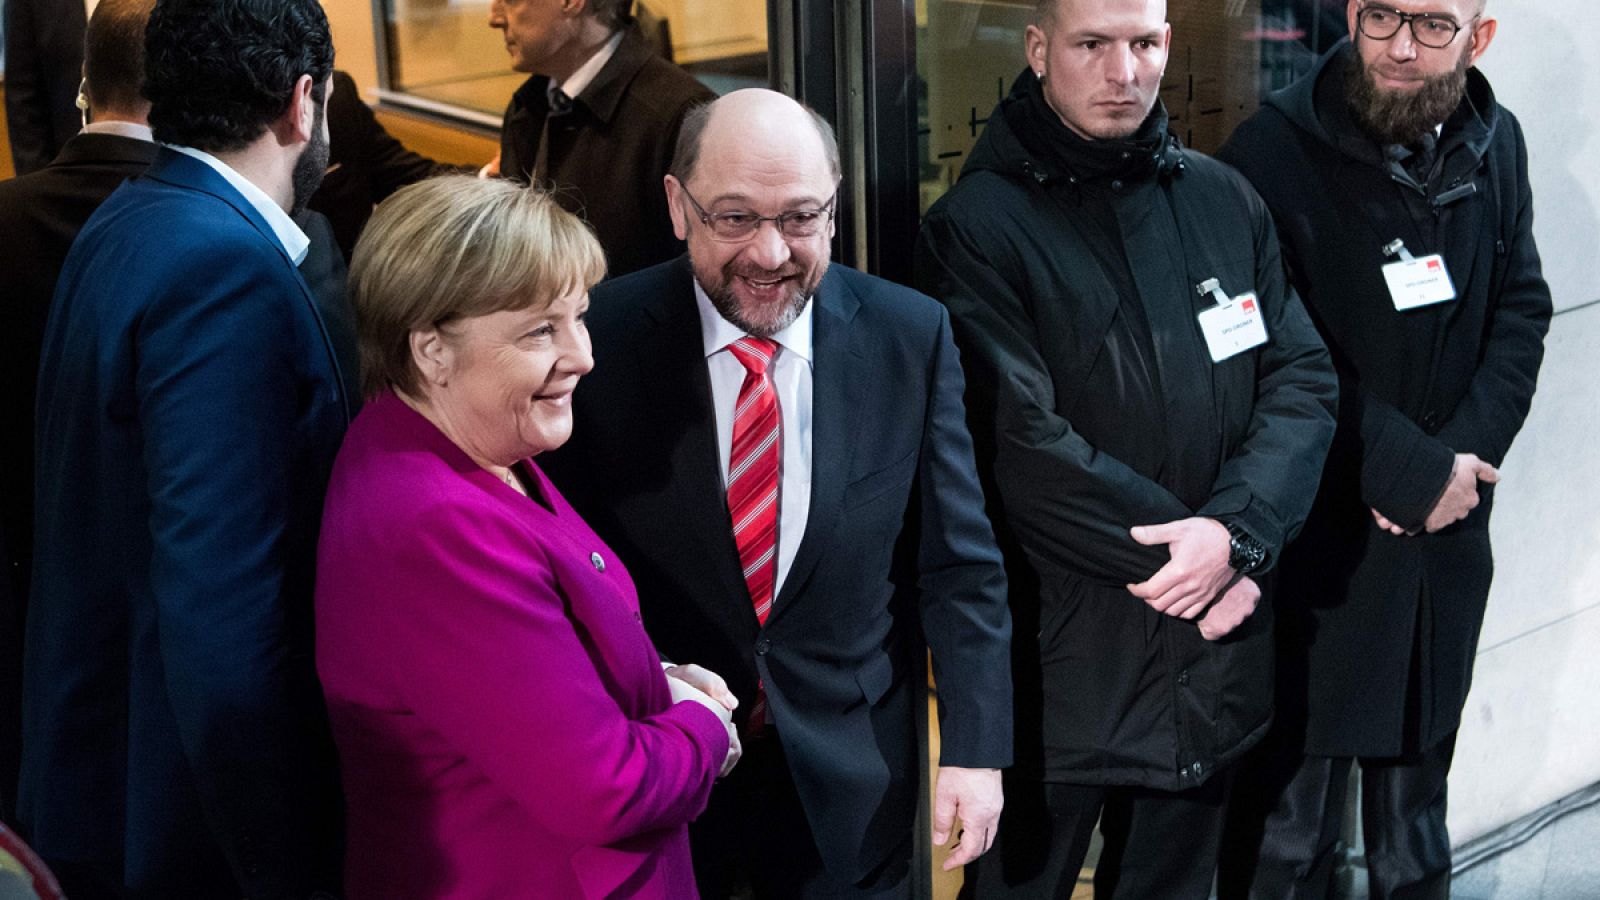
(754, 463)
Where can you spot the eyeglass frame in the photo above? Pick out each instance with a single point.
(1409, 20)
(828, 210)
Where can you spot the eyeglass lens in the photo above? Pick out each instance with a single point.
(1381, 23)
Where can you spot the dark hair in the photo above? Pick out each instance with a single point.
(686, 153)
(613, 14)
(113, 54)
(218, 72)
(1044, 14)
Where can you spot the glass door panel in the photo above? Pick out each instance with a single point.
(443, 56)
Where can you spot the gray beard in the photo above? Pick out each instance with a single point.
(724, 302)
(1395, 117)
(727, 305)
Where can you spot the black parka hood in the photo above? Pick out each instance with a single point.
(1020, 141)
(1323, 89)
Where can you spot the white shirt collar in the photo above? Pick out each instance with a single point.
(575, 84)
(718, 333)
(294, 241)
(120, 129)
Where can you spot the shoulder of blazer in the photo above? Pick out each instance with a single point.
(176, 172)
(881, 306)
(628, 304)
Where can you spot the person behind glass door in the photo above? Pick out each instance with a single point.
(596, 121)
(503, 719)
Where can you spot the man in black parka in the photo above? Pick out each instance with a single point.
(1142, 489)
(1388, 140)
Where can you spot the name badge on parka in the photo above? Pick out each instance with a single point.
(1234, 325)
(1416, 281)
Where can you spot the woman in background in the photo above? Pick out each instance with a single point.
(504, 725)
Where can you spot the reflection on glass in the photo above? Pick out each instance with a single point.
(444, 50)
(1293, 33)
(1225, 54)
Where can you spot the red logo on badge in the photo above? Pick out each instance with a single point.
(1249, 306)
(1434, 265)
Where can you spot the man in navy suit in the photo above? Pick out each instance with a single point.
(776, 448)
(190, 404)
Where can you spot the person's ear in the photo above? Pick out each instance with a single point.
(1482, 35)
(432, 356)
(675, 206)
(1037, 48)
(294, 126)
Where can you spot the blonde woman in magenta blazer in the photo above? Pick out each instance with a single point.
(504, 724)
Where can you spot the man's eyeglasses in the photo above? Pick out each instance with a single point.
(1434, 30)
(739, 226)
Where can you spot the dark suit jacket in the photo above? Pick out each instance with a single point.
(40, 215)
(44, 64)
(608, 154)
(896, 544)
(365, 164)
(326, 273)
(189, 409)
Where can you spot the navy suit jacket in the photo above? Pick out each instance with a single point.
(189, 408)
(896, 544)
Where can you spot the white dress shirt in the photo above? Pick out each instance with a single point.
(577, 81)
(294, 241)
(791, 375)
(120, 129)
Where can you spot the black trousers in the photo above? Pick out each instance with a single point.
(1158, 844)
(754, 841)
(1288, 812)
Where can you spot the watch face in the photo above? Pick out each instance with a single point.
(1245, 553)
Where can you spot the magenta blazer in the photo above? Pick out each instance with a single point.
(503, 724)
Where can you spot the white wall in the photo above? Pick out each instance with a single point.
(1531, 731)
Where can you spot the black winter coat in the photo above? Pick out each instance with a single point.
(1380, 632)
(1095, 408)
(608, 154)
(365, 165)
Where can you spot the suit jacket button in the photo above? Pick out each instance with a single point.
(762, 646)
(599, 562)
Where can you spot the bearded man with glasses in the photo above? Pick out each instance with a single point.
(1400, 189)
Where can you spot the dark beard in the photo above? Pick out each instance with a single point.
(310, 167)
(1396, 117)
